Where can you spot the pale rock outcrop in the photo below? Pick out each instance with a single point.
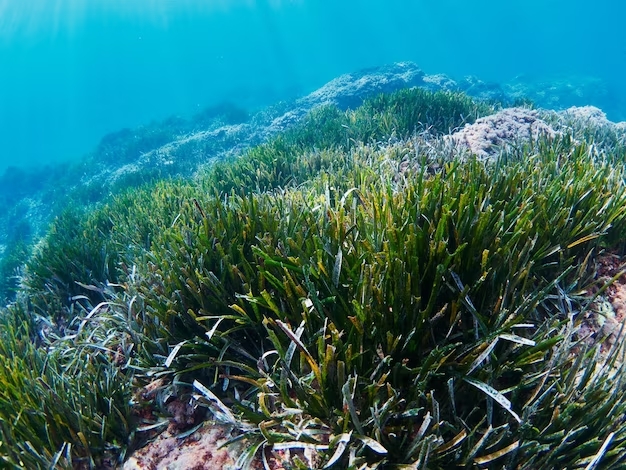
(489, 135)
(198, 451)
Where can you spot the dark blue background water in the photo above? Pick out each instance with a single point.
(73, 70)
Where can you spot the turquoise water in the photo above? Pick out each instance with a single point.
(74, 70)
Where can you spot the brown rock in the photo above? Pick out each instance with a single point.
(198, 451)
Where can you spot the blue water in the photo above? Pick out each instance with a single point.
(74, 70)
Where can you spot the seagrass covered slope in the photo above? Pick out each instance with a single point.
(358, 292)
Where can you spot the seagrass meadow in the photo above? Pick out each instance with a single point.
(356, 291)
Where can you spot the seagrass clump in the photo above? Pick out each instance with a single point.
(340, 298)
(431, 322)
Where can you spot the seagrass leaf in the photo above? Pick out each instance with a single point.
(483, 356)
(455, 441)
(337, 267)
(496, 455)
(292, 346)
(342, 444)
(172, 355)
(493, 393)
(223, 412)
(296, 340)
(598, 457)
(212, 331)
(298, 445)
(348, 400)
(584, 239)
(245, 459)
(417, 440)
(372, 444)
(517, 339)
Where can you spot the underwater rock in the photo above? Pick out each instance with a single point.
(607, 314)
(469, 85)
(489, 135)
(590, 114)
(556, 94)
(560, 93)
(588, 123)
(348, 91)
(351, 89)
(477, 88)
(438, 82)
(199, 450)
(283, 122)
